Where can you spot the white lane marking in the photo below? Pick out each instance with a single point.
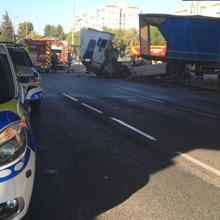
(118, 96)
(198, 112)
(70, 97)
(92, 108)
(154, 100)
(148, 98)
(135, 129)
(129, 89)
(199, 163)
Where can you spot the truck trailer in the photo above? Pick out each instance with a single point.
(192, 43)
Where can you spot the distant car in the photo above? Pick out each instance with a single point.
(17, 147)
(29, 76)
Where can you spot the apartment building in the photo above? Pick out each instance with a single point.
(211, 9)
(114, 15)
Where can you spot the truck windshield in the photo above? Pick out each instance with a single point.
(20, 57)
(7, 89)
(90, 49)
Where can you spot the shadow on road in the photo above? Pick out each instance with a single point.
(84, 168)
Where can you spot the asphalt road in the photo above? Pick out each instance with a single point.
(111, 149)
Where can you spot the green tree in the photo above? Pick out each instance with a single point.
(131, 39)
(6, 28)
(60, 32)
(34, 35)
(124, 39)
(68, 38)
(54, 31)
(24, 29)
(156, 37)
(47, 30)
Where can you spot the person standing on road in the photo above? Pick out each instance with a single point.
(69, 62)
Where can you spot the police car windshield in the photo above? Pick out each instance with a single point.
(20, 57)
(7, 89)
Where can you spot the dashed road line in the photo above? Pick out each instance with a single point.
(129, 89)
(199, 163)
(150, 137)
(198, 112)
(178, 107)
(70, 97)
(92, 108)
(154, 100)
(132, 100)
(135, 129)
(138, 92)
(84, 104)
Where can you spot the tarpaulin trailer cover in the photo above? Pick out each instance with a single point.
(193, 38)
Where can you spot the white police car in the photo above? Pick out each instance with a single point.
(28, 74)
(17, 147)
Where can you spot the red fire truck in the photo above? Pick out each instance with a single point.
(40, 51)
(61, 49)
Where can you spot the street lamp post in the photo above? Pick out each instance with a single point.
(198, 9)
(26, 29)
(73, 23)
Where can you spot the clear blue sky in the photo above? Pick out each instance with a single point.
(41, 12)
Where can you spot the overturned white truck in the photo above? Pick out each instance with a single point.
(99, 54)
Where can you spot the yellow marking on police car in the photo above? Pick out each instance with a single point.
(10, 106)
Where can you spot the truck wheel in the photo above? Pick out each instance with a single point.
(175, 70)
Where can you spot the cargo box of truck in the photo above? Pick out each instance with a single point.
(191, 41)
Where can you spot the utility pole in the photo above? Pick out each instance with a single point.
(26, 29)
(73, 23)
(192, 8)
(198, 9)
